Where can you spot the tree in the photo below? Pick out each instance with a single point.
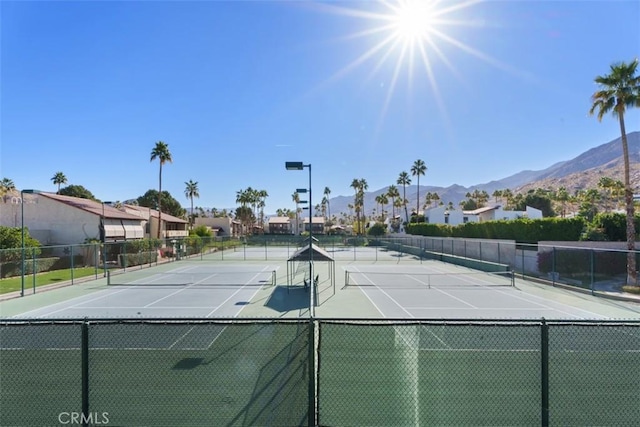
(418, 168)
(162, 153)
(355, 184)
(364, 186)
(59, 179)
(6, 186)
(392, 193)
(296, 199)
(327, 192)
(262, 202)
(404, 180)
(77, 191)
(169, 205)
(618, 90)
(191, 191)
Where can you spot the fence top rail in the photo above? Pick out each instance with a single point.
(332, 320)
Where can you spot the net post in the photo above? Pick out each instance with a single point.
(513, 278)
(108, 278)
(346, 278)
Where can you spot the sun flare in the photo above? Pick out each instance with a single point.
(413, 20)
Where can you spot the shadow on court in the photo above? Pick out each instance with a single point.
(285, 299)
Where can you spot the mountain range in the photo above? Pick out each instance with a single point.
(583, 171)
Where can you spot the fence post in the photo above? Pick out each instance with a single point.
(553, 267)
(85, 372)
(544, 372)
(591, 255)
(34, 267)
(312, 421)
(72, 264)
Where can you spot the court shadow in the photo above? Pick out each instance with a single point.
(285, 299)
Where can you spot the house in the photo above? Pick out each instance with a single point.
(318, 224)
(223, 226)
(279, 225)
(54, 219)
(443, 215)
(172, 227)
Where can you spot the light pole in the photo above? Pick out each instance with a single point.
(22, 193)
(301, 166)
(312, 363)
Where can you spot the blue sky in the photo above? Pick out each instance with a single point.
(238, 88)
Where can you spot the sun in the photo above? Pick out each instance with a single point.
(413, 20)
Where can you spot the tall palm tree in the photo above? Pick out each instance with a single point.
(392, 193)
(618, 90)
(262, 202)
(404, 180)
(418, 168)
(296, 198)
(364, 186)
(327, 192)
(58, 179)
(355, 184)
(162, 153)
(191, 191)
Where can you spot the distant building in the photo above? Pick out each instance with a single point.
(279, 225)
(443, 215)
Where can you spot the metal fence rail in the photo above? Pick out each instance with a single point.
(319, 372)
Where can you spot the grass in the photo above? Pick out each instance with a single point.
(12, 284)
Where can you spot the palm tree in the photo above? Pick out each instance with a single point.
(59, 179)
(327, 192)
(404, 180)
(162, 153)
(6, 186)
(392, 193)
(262, 195)
(363, 187)
(618, 90)
(191, 191)
(418, 168)
(296, 199)
(355, 184)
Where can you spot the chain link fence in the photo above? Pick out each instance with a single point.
(319, 372)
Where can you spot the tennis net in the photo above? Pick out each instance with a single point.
(400, 279)
(196, 279)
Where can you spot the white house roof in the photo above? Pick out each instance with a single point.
(481, 210)
(315, 220)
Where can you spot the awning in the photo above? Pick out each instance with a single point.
(114, 231)
(133, 231)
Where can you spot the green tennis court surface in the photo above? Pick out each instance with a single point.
(158, 374)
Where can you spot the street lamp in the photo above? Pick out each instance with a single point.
(312, 384)
(22, 193)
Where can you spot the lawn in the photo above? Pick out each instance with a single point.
(12, 284)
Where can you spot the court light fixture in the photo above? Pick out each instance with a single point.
(301, 190)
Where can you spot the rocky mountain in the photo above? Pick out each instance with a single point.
(583, 171)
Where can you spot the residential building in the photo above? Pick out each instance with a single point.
(280, 225)
(443, 215)
(318, 224)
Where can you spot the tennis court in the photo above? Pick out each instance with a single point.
(202, 341)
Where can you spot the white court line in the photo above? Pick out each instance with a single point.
(446, 293)
(223, 303)
(548, 307)
(108, 294)
(180, 290)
